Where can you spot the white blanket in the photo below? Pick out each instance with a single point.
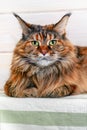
(68, 113)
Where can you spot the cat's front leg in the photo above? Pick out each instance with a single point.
(62, 91)
(18, 85)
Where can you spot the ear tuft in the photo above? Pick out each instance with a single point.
(60, 26)
(68, 14)
(15, 14)
(24, 25)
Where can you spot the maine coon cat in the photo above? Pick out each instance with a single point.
(46, 64)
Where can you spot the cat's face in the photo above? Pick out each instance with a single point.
(44, 45)
(43, 48)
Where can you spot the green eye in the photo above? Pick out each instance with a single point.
(52, 42)
(35, 43)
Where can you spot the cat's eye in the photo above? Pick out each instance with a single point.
(52, 42)
(35, 43)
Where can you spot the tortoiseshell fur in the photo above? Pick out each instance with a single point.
(47, 70)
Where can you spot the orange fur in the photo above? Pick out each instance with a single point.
(41, 69)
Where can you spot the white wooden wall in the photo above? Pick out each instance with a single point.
(38, 12)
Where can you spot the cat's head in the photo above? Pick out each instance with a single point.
(44, 45)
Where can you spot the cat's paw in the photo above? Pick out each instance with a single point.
(61, 91)
(7, 88)
(31, 92)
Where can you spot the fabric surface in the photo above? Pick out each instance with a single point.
(68, 113)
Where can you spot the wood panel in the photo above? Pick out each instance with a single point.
(5, 61)
(40, 5)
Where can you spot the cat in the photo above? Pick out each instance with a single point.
(46, 64)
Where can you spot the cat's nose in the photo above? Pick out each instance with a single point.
(43, 50)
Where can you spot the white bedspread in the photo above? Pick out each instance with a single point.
(68, 113)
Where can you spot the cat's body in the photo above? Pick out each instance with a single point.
(46, 64)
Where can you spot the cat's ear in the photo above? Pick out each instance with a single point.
(60, 27)
(24, 25)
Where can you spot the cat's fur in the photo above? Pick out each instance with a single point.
(54, 68)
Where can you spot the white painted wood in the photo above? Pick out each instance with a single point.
(5, 61)
(10, 31)
(40, 5)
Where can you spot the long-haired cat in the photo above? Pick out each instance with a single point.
(46, 64)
